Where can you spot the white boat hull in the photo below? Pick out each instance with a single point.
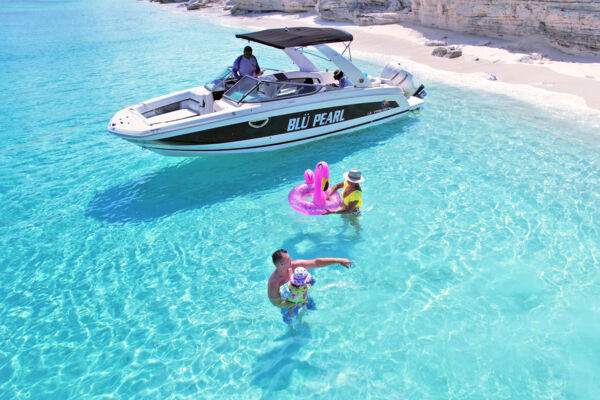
(272, 143)
(265, 127)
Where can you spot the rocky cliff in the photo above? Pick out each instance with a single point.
(274, 5)
(572, 25)
(569, 24)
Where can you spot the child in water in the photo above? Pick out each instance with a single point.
(296, 292)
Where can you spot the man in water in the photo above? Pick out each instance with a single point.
(246, 64)
(284, 269)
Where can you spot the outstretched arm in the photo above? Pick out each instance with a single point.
(321, 262)
(334, 189)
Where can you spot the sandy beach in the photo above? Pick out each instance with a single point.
(559, 81)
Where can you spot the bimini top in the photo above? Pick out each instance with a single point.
(297, 37)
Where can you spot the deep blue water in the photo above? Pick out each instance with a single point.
(127, 274)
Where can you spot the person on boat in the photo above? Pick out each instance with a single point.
(246, 64)
(284, 271)
(342, 80)
(351, 193)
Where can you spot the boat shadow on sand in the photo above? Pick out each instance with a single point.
(209, 180)
(274, 369)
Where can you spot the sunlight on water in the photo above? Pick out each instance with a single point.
(128, 274)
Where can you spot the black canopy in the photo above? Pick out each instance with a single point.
(294, 37)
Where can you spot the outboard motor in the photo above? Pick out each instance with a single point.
(398, 76)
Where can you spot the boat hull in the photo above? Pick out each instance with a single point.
(269, 131)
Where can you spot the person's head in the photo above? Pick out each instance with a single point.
(354, 176)
(247, 51)
(301, 277)
(337, 74)
(281, 259)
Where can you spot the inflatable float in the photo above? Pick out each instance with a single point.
(309, 197)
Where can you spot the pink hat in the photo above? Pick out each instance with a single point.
(301, 277)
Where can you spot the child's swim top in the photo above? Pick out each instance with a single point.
(355, 195)
(293, 293)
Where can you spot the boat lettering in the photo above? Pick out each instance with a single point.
(328, 118)
(298, 123)
(325, 118)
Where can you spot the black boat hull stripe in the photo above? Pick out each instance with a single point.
(279, 143)
(280, 125)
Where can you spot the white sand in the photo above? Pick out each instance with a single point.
(565, 83)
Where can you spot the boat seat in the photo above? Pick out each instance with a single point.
(209, 103)
(172, 116)
(217, 107)
(193, 105)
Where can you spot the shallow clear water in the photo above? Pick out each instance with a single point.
(128, 274)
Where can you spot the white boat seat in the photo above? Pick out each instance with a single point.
(172, 116)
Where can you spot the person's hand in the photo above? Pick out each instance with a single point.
(345, 262)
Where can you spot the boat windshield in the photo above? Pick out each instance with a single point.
(221, 81)
(252, 90)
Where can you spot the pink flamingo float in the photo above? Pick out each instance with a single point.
(309, 197)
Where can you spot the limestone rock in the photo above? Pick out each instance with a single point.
(377, 18)
(447, 51)
(439, 52)
(364, 12)
(432, 43)
(571, 25)
(195, 4)
(453, 53)
(274, 5)
(532, 58)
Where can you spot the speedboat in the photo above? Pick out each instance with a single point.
(276, 109)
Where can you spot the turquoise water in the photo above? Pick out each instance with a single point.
(126, 274)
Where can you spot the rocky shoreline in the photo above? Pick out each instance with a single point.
(569, 25)
(527, 67)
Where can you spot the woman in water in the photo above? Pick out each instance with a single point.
(351, 193)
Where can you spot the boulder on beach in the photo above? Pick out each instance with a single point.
(293, 6)
(454, 53)
(534, 58)
(439, 52)
(432, 43)
(195, 4)
(447, 51)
